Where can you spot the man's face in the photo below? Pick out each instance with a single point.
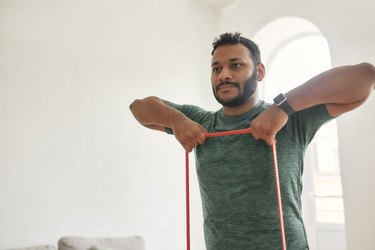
(233, 75)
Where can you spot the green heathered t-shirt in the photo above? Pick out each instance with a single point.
(237, 182)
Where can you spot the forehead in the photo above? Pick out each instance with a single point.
(229, 52)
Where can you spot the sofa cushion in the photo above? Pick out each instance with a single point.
(109, 243)
(38, 247)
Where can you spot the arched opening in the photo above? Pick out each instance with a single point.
(295, 50)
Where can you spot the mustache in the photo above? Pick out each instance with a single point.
(235, 84)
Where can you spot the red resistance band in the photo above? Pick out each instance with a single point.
(278, 192)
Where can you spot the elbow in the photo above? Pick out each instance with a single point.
(367, 65)
(368, 72)
(372, 73)
(368, 68)
(140, 105)
(133, 104)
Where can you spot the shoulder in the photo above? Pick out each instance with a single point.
(194, 112)
(303, 125)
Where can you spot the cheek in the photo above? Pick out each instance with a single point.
(214, 81)
(246, 76)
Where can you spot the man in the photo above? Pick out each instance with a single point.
(235, 172)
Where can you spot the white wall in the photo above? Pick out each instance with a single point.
(73, 161)
(350, 29)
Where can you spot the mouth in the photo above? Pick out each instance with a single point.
(226, 86)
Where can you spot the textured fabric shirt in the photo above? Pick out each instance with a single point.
(237, 182)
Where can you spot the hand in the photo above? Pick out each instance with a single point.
(189, 134)
(268, 123)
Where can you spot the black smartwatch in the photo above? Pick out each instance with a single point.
(281, 101)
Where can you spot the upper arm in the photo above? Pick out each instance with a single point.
(356, 84)
(339, 109)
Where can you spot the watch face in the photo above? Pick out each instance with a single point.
(279, 99)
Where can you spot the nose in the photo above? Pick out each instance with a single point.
(225, 75)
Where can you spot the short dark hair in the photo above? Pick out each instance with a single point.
(236, 38)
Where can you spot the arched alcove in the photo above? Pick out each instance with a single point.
(293, 51)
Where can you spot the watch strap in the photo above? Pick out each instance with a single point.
(282, 102)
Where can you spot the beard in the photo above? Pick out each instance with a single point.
(250, 86)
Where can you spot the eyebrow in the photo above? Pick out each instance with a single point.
(234, 59)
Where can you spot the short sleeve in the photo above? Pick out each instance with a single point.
(303, 125)
(193, 112)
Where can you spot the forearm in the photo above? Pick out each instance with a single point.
(342, 89)
(154, 113)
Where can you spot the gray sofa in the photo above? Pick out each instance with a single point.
(85, 243)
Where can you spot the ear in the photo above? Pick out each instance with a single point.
(261, 71)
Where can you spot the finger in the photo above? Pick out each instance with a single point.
(188, 148)
(204, 131)
(201, 138)
(270, 140)
(255, 135)
(193, 143)
(254, 131)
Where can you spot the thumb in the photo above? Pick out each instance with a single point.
(270, 140)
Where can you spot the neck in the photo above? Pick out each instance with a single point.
(243, 108)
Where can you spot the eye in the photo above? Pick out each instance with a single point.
(236, 65)
(216, 70)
